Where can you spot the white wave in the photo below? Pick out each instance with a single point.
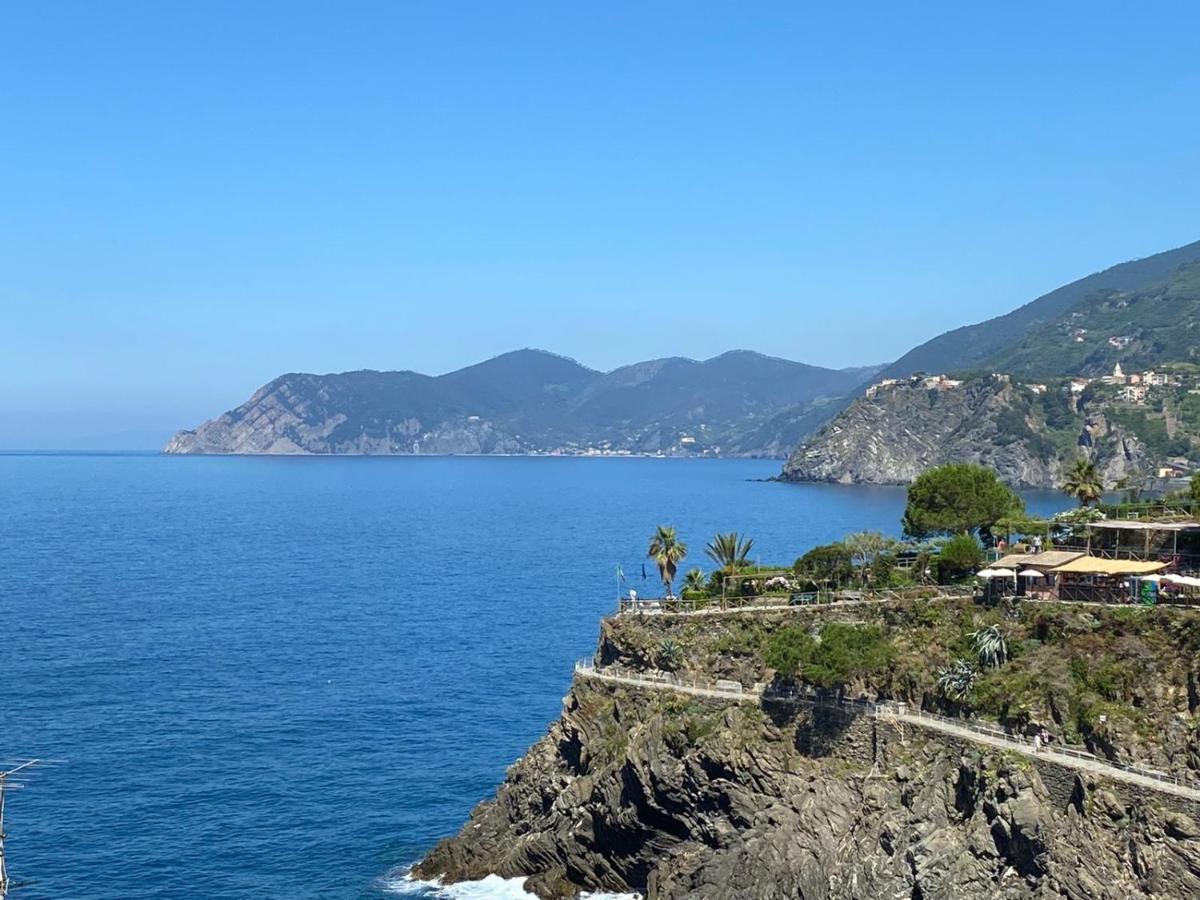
(491, 888)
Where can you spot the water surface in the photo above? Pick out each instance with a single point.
(287, 677)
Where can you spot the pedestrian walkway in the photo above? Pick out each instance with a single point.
(990, 735)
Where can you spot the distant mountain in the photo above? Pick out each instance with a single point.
(531, 401)
(1029, 424)
(975, 346)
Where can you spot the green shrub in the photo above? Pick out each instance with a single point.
(843, 653)
(960, 556)
(830, 564)
(788, 649)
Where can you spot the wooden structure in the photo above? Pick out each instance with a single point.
(1045, 562)
(1093, 579)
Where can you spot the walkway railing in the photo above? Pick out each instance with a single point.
(894, 711)
(766, 602)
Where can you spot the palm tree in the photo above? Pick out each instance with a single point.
(1083, 482)
(694, 581)
(667, 551)
(729, 551)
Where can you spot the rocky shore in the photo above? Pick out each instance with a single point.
(675, 796)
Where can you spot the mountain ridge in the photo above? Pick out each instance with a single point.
(1072, 402)
(967, 346)
(527, 401)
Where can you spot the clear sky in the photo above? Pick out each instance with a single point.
(197, 197)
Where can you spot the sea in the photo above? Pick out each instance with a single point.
(289, 677)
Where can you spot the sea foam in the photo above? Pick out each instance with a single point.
(491, 888)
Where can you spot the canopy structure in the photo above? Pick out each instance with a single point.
(1141, 532)
(1137, 525)
(1031, 573)
(1094, 565)
(1045, 560)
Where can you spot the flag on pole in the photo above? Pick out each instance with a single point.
(620, 575)
(643, 570)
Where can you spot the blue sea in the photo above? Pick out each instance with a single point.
(288, 677)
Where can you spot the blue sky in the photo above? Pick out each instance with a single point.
(198, 197)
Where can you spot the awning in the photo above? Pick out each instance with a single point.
(1094, 565)
(1045, 560)
(1136, 525)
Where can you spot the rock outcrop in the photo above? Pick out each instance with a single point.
(674, 796)
(905, 428)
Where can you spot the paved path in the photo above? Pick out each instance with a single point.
(898, 712)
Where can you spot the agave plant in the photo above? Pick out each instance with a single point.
(670, 655)
(956, 681)
(991, 646)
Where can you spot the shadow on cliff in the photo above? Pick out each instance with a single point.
(819, 729)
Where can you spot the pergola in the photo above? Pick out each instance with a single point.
(1135, 528)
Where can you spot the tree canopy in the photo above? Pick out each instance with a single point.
(829, 563)
(842, 654)
(958, 498)
(959, 555)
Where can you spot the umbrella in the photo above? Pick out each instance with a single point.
(1031, 573)
(1155, 578)
(996, 573)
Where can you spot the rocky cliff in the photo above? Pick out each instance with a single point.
(905, 428)
(675, 796)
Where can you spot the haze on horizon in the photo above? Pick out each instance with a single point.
(198, 199)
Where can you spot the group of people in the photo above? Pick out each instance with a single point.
(1035, 544)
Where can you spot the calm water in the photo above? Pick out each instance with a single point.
(288, 677)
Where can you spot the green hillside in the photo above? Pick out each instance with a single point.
(972, 346)
(1141, 329)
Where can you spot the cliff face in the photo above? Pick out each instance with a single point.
(892, 437)
(296, 414)
(675, 796)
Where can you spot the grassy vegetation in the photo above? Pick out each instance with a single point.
(1064, 665)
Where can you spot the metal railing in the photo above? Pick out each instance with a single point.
(759, 602)
(734, 690)
(895, 709)
(885, 709)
